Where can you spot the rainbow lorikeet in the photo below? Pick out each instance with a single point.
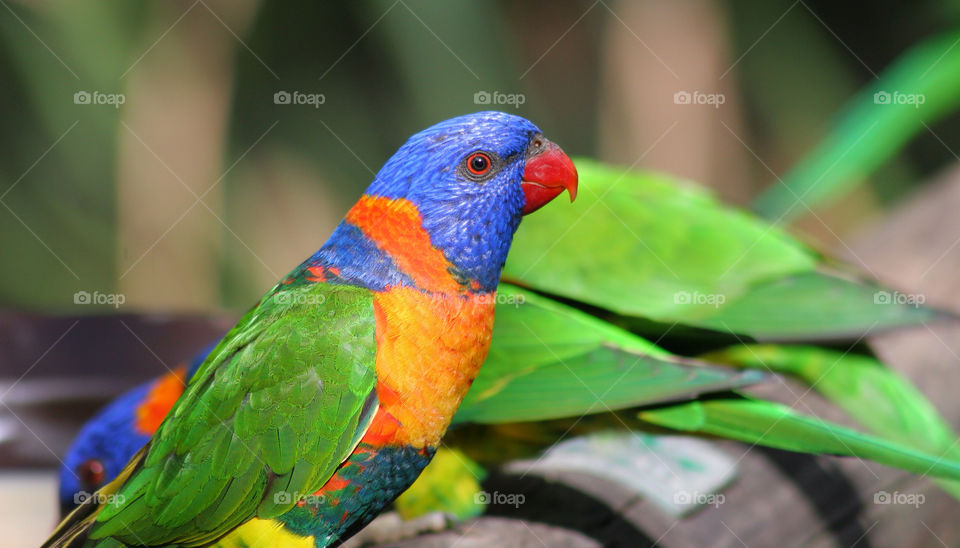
(108, 440)
(330, 396)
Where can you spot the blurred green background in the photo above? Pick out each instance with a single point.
(199, 191)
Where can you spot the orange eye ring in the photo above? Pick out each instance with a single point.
(479, 163)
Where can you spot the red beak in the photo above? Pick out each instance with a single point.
(545, 177)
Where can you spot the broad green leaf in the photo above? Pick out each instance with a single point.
(652, 247)
(775, 425)
(918, 89)
(873, 394)
(548, 360)
(636, 243)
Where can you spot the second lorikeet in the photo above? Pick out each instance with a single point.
(107, 441)
(330, 396)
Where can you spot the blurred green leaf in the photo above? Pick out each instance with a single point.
(548, 361)
(775, 425)
(918, 89)
(649, 246)
(57, 171)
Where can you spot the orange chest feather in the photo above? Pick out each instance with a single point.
(429, 350)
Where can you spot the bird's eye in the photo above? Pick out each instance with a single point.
(478, 163)
(91, 473)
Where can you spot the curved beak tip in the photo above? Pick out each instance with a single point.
(546, 176)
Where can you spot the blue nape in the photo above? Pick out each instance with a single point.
(358, 260)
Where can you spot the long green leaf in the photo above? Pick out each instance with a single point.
(873, 394)
(775, 425)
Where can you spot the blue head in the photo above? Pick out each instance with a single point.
(471, 179)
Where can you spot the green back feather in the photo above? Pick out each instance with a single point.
(277, 406)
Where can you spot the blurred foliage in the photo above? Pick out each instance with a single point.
(386, 69)
(916, 91)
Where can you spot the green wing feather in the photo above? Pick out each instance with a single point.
(277, 406)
